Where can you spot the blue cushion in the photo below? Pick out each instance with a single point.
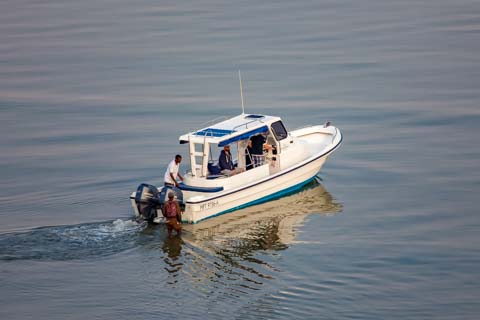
(185, 187)
(213, 169)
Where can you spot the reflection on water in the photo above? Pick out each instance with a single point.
(226, 251)
(272, 223)
(172, 247)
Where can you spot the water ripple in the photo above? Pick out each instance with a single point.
(70, 242)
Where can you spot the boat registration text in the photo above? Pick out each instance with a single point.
(209, 205)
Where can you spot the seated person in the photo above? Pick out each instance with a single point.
(226, 164)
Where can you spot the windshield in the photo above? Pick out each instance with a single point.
(279, 130)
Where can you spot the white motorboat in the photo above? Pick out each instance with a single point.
(293, 160)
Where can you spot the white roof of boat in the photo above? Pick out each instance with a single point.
(230, 130)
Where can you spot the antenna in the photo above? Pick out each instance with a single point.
(241, 91)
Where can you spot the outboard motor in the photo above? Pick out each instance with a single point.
(149, 199)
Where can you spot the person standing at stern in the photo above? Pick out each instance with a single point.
(170, 177)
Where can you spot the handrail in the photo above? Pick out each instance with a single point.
(207, 123)
(246, 124)
(217, 119)
(336, 132)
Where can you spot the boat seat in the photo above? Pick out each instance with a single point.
(213, 169)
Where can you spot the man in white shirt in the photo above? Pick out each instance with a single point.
(170, 177)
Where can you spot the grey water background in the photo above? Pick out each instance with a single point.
(93, 97)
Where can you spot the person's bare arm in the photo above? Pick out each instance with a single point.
(174, 180)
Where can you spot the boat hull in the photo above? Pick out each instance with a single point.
(273, 187)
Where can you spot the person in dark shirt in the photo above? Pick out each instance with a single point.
(257, 150)
(257, 143)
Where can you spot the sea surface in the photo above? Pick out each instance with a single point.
(93, 98)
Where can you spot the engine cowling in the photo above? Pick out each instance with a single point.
(149, 199)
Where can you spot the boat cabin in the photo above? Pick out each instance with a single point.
(205, 145)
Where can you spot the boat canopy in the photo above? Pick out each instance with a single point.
(231, 130)
(243, 136)
(222, 133)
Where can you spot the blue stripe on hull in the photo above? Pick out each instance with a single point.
(272, 196)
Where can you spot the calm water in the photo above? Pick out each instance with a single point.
(94, 94)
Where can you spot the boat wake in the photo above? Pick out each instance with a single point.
(71, 242)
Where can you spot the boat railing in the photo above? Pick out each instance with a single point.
(258, 160)
(335, 135)
(208, 123)
(215, 120)
(246, 124)
(208, 133)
